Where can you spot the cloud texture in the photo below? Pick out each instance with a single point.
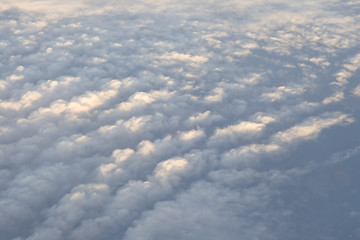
(179, 120)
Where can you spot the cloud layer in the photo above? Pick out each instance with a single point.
(179, 120)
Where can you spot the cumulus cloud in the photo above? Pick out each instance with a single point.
(356, 91)
(337, 97)
(311, 128)
(178, 120)
(282, 92)
(349, 68)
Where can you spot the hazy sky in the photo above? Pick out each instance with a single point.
(179, 120)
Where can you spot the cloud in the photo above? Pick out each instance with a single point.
(217, 95)
(191, 135)
(141, 99)
(337, 97)
(282, 92)
(356, 91)
(176, 120)
(250, 155)
(242, 130)
(349, 68)
(170, 168)
(207, 211)
(203, 118)
(311, 128)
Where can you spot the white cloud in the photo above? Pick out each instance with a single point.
(170, 168)
(242, 127)
(203, 118)
(349, 68)
(242, 130)
(356, 91)
(247, 156)
(141, 99)
(217, 96)
(191, 135)
(175, 56)
(311, 128)
(282, 92)
(337, 97)
(146, 147)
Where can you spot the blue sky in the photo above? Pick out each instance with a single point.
(179, 120)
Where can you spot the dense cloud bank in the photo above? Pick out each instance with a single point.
(179, 120)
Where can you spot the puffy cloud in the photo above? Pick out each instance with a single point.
(282, 92)
(242, 130)
(337, 97)
(249, 155)
(349, 68)
(177, 120)
(242, 127)
(203, 118)
(141, 99)
(217, 96)
(356, 91)
(191, 135)
(175, 56)
(170, 168)
(311, 128)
